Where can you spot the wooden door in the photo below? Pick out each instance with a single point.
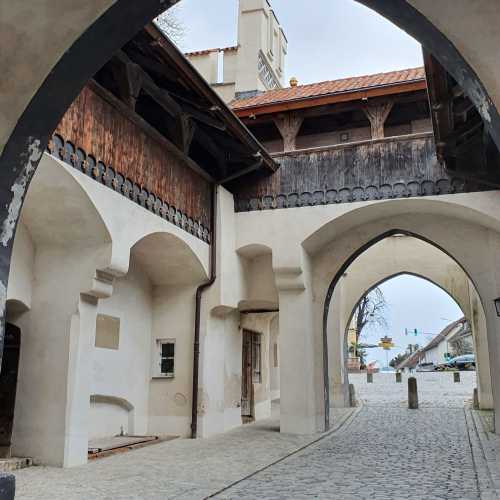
(8, 382)
(246, 379)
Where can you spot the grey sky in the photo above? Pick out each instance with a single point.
(328, 39)
(331, 39)
(413, 303)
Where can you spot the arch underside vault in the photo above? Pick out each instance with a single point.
(394, 256)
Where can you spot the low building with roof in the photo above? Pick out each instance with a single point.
(442, 347)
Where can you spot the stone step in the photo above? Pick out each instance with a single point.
(14, 463)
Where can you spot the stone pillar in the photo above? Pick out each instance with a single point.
(412, 393)
(289, 125)
(377, 114)
(298, 402)
(480, 338)
(53, 396)
(338, 317)
(81, 344)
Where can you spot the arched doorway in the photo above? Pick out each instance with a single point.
(341, 272)
(428, 328)
(8, 385)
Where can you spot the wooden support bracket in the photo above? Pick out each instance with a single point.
(289, 125)
(377, 114)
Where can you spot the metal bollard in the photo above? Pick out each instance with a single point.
(352, 396)
(475, 399)
(7, 486)
(412, 393)
(369, 377)
(456, 376)
(398, 377)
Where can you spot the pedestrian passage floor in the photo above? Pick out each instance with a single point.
(381, 451)
(386, 451)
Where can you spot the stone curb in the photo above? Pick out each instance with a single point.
(484, 455)
(342, 422)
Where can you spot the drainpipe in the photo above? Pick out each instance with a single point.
(199, 293)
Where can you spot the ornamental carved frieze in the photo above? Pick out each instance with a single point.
(352, 194)
(111, 178)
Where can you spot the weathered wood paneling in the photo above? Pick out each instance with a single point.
(388, 168)
(98, 128)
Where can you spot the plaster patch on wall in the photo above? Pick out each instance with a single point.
(3, 301)
(483, 103)
(19, 188)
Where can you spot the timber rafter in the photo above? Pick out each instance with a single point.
(155, 82)
(463, 144)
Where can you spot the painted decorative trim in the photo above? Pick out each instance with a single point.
(352, 195)
(106, 175)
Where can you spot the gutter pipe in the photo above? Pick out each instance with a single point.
(199, 294)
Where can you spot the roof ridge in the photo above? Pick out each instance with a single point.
(369, 75)
(331, 87)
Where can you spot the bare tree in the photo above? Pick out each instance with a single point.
(371, 311)
(171, 25)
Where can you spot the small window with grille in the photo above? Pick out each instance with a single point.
(166, 355)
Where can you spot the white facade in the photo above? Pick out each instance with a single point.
(98, 283)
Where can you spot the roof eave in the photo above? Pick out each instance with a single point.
(331, 98)
(189, 72)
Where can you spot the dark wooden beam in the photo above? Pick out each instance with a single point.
(241, 172)
(187, 129)
(440, 103)
(128, 78)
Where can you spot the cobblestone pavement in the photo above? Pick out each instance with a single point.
(182, 469)
(384, 451)
(387, 451)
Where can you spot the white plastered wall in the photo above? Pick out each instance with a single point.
(71, 261)
(464, 225)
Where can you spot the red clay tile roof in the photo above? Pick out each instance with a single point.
(352, 84)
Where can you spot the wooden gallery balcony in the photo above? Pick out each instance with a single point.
(394, 167)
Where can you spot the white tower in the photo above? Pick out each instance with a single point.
(256, 63)
(262, 48)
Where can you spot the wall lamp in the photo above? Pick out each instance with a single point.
(497, 305)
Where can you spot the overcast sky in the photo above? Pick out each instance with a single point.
(328, 39)
(331, 39)
(412, 303)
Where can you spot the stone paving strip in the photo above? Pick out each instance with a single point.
(387, 451)
(180, 469)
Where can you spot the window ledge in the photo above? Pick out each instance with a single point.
(163, 376)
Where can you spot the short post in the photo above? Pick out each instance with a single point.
(412, 393)
(398, 377)
(352, 396)
(475, 399)
(456, 377)
(7, 486)
(369, 377)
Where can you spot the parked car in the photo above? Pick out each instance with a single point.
(464, 362)
(444, 366)
(426, 367)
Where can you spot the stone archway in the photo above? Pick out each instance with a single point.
(103, 27)
(341, 270)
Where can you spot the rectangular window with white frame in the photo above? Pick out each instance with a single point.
(165, 360)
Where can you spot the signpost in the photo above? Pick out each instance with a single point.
(386, 344)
